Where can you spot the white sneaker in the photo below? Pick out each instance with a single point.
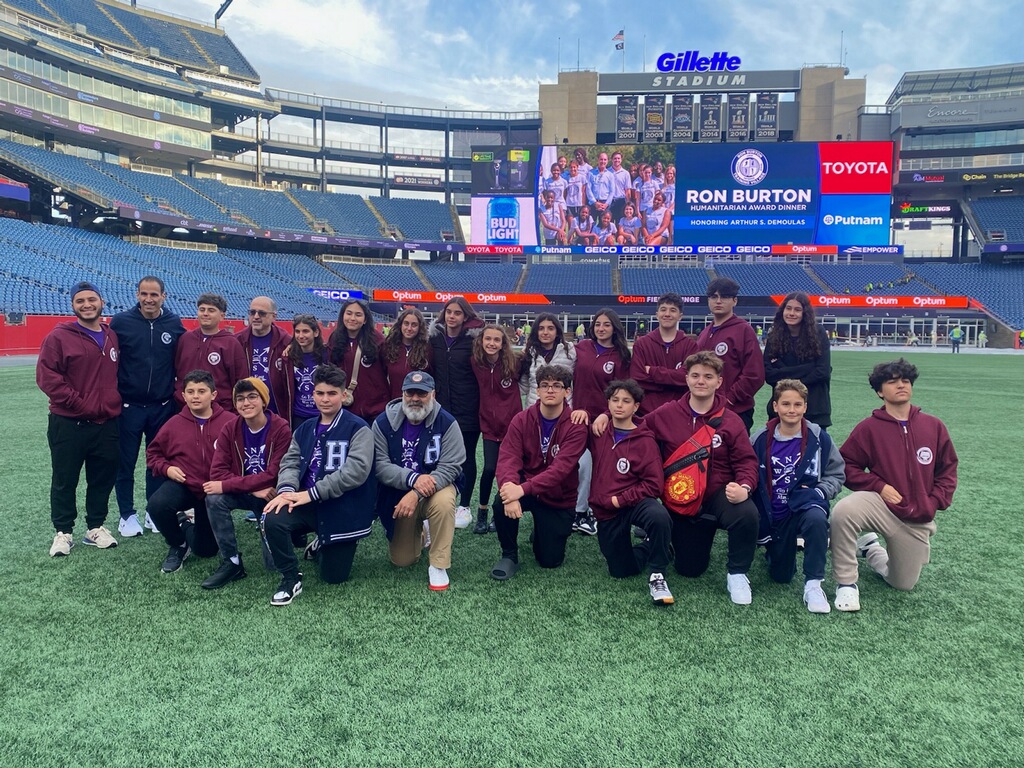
(100, 538)
(438, 578)
(62, 544)
(128, 527)
(815, 598)
(739, 588)
(865, 542)
(660, 593)
(150, 524)
(463, 517)
(848, 598)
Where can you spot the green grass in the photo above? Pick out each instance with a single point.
(107, 662)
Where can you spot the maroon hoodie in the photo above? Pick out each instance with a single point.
(500, 400)
(279, 384)
(666, 380)
(229, 456)
(552, 478)
(736, 343)
(183, 444)
(398, 370)
(77, 375)
(220, 354)
(372, 392)
(918, 460)
(594, 371)
(629, 469)
(732, 456)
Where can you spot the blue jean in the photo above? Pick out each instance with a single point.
(810, 524)
(219, 507)
(136, 421)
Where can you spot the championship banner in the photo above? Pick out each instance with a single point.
(625, 119)
(710, 117)
(766, 120)
(739, 117)
(682, 117)
(875, 302)
(654, 118)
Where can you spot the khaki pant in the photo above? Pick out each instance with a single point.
(906, 550)
(406, 542)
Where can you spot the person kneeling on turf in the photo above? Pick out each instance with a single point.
(538, 471)
(244, 472)
(799, 471)
(901, 467)
(325, 486)
(624, 491)
(419, 455)
(182, 452)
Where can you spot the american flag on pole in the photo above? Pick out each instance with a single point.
(620, 36)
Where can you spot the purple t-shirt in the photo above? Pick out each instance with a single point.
(97, 336)
(618, 434)
(547, 426)
(410, 439)
(309, 479)
(785, 456)
(255, 449)
(304, 406)
(260, 363)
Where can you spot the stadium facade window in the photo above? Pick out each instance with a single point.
(966, 140)
(972, 161)
(89, 84)
(57, 106)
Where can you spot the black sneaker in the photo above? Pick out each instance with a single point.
(481, 522)
(311, 550)
(176, 558)
(225, 574)
(588, 525)
(287, 591)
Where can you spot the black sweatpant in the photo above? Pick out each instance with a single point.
(551, 530)
(165, 504)
(692, 537)
(487, 473)
(614, 536)
(469, 467)
(335, 560)
(74, 444)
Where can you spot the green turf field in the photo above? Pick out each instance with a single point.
(108, 662)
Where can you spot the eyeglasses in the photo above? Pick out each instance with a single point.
(258, 313)
(249, 398)
(552, 386)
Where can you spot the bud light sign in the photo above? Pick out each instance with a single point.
(503, 220)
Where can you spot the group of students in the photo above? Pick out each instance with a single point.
(581, 204)
(651, 443)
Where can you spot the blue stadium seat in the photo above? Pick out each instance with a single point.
(569, 279)
(998, 286)
(645, 281)
(1003, 213)
(768, 279)
(347, 214)
(465, 276)
(416, 219)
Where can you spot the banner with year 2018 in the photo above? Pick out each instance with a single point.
(654, 118)
(625, 119)
(710, 117)
(682, 117)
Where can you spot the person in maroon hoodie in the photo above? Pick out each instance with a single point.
(624, 491)
(246, 459)
(182, 452)
(77, 369)
(496, 367)
(657, 364)
(732, 339)
(901, 467)
(264, 345)
(731, 475)
(208, 348)
(537, 471)
(354, 335)
(406, 349)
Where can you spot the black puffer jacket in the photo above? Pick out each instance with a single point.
(456, 385)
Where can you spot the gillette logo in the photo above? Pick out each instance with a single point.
(692, 61)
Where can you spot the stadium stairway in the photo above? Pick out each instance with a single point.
(314, 223)
(616, 280)
(422, 275)
(202, 51)
(522, 279)
(118, 24)
(385, 226)
(811, 274)
(460, 236)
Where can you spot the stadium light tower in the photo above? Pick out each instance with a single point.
(220, 12)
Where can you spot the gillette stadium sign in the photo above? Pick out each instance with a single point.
(803, 193)
(692, 61)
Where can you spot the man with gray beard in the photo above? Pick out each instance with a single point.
(419, 452)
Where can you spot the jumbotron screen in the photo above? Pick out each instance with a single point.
(803, 193)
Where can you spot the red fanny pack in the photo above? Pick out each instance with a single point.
(686, 470)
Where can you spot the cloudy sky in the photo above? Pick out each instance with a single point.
(483, 55)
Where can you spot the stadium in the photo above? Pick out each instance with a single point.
(134, 142)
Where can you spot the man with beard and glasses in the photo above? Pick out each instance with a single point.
(419, 452)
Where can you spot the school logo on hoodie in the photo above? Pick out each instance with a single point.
(609, 367)
(721, 348)
(113, 354)
(213, 358)
(924, 455)
(166, 338)
(622, 466)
